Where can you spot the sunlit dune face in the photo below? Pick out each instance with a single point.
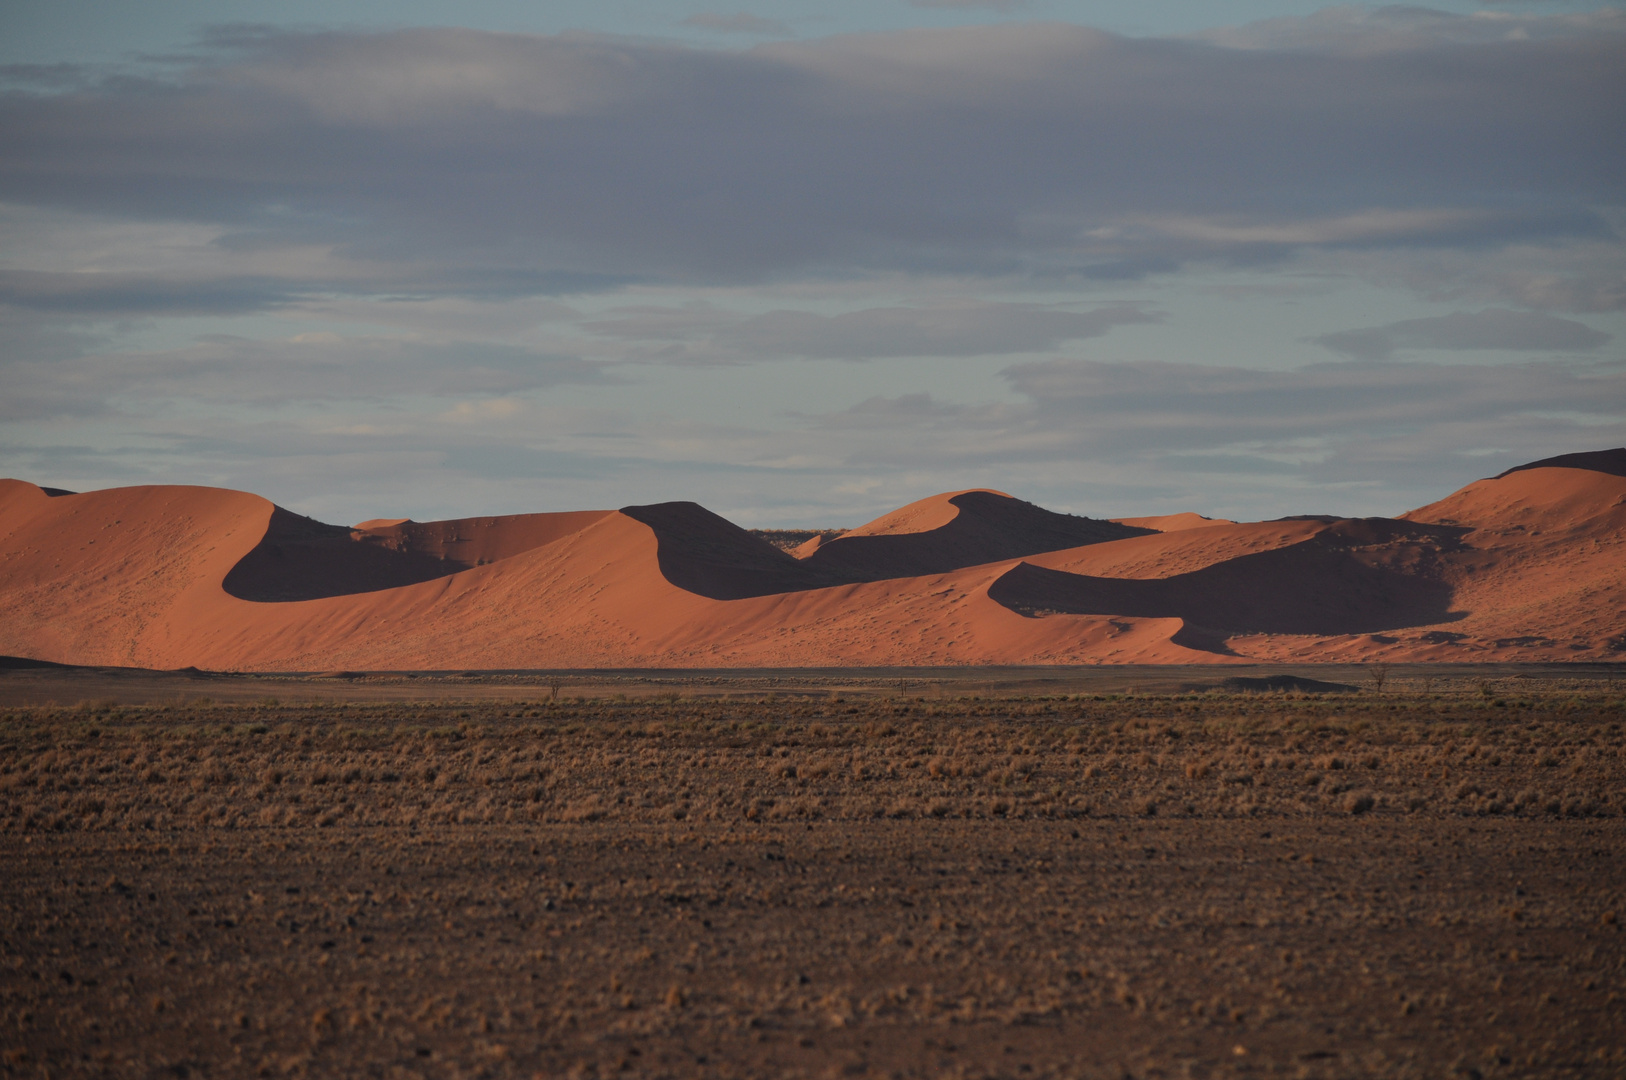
(1522, 566)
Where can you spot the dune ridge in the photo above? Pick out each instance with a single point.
(962, 528)
(302, 559)
(1527, 565)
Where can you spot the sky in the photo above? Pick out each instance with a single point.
(804, 263)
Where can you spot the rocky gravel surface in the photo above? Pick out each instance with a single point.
(1179, 886)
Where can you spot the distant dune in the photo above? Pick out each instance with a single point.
(1529, 565)
(948, 532)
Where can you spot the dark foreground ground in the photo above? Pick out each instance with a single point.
(1188, 885)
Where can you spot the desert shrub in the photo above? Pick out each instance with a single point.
(582, 762)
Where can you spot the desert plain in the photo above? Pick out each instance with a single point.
(973, 790)
(991, 873)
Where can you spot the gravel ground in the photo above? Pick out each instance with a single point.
(1192, 885)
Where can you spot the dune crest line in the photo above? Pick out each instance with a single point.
(1529, 565)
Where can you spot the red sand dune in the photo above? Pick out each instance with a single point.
(1527, 565)
(302, 559)
(1174, 522)
(947, 532)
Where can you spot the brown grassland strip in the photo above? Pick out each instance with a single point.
(1183, 885)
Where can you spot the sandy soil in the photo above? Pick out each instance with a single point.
(1529, 566)
(1189, 885)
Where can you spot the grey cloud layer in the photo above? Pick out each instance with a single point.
(1392, 27)
(1188, 405)
(994, 5)
(235, 372)
(1462, 331)
(739, 22)
(701, 334)
(105, 294)
(1118, 438)
(500, 162)
(407, 187)
(1321, 420)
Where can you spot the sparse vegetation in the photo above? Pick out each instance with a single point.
(670, 886)
(104, 768)
(1379, 674)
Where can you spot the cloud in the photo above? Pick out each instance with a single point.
(703, 334)
(866, 196)
(105, 294)
(307, 368)
(1393, 28)
(1581, 275)
(1398, 434)
(1349, 437)
(963, 5)
(505, 163)
(1494, 328)
(737, 23)
(55, 76)
(1187, 405)
(143, 294)
(1423, 226)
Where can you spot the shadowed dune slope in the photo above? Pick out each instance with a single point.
(1351, 577)
(712, 557)
(1609, 462)
(477, 541)
(303, 559)
(946, 532)
(1538, 572)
